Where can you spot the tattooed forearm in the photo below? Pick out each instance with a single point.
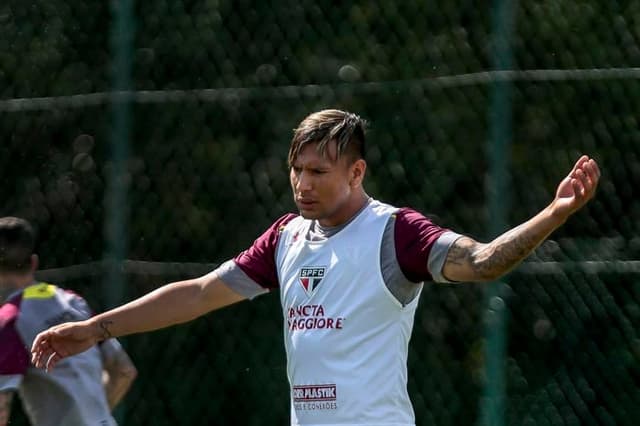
(5, 407)
(469, 260)
(505, 252)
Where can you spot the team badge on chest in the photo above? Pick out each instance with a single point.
(310, 278)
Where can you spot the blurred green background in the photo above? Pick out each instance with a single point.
(217, 87)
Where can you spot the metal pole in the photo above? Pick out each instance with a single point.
(493, 401)
(116, 204)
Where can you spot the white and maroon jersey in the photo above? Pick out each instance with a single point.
(346, 330)
(72, 393)
(346, 336)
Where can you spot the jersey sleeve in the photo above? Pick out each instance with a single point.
(80, 305)
(421, 246)
(235, 278)
(14, 356)
(258, 262)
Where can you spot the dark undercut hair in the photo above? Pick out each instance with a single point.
(17, 244)
(345, 128)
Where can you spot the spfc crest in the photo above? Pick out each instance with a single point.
(310, 278)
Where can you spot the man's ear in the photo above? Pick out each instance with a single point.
(358, 169)
(35, 262)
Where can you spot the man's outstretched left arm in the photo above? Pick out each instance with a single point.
(469, 260)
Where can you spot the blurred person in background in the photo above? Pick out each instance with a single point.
(349, 269)
(86, 387)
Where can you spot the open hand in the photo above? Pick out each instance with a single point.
(577, 188)
(61, 341)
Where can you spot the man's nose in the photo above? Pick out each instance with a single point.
(304, 182)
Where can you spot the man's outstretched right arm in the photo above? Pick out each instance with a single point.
(171, 304)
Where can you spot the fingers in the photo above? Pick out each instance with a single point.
(585, 182)
(583, 159)
(578, 188)
(43, 354)
(37, 349)
(40, 351)
(592, 170)
(587, 174)
(52, 360)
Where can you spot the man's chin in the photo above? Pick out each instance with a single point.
(309, 214)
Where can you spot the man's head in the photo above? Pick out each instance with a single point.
(321, 128)
(327, 165)
(18, 261)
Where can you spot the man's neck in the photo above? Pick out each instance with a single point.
(9, 288)
(355, 207)
(26, 282)
(328, 229)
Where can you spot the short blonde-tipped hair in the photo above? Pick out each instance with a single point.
(345, 128)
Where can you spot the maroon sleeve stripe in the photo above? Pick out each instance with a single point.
(415, 235)
(259, 260)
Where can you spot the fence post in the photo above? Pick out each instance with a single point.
(492, 410)
(116, 208)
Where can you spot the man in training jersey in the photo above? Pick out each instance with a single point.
(349, 270)
(87, 386)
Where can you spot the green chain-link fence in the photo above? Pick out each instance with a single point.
(217, 87)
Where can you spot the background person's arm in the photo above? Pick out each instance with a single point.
(469, 260)
(171, 304)
(119, 371)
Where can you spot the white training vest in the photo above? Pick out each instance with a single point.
(346, 335)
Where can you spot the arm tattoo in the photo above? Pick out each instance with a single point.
(489, 261)
(504, 253)
(104, 326)
(460, 252)
(5, 407)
